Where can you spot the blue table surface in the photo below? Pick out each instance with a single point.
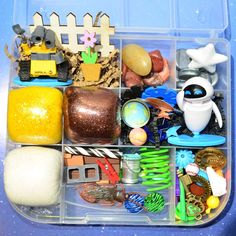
(13, 224)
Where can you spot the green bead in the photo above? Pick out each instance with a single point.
(154, 202)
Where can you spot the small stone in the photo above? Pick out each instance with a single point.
(137, 59)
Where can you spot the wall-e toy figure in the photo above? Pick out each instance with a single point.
(43, 57)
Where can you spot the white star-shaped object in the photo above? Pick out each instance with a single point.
(205, 57)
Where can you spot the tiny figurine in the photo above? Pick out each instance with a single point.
(205, 57)
(138, 136)
(161, 105)
(195, 101)
(40, 58)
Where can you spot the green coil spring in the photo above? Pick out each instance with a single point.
(155, 168)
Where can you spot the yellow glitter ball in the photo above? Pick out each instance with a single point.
(35, 115)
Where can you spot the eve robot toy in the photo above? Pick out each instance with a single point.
(195, 101)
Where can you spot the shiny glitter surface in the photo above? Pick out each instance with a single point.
(90, 116)
(34, 115)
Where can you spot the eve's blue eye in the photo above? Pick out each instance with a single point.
(187, 92)
(198, 92)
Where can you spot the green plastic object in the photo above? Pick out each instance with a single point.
(181, 206)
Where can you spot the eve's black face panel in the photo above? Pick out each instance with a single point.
(194, 91)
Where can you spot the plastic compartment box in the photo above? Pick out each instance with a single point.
(164, 25)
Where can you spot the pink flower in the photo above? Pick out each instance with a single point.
(88, 39)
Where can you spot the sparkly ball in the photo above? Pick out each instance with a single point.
(192, 169)
(154, 202)
(138, 136)
(135, 113)
(134, 203)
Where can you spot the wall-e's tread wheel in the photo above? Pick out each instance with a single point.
(24, 72)
(63, 71)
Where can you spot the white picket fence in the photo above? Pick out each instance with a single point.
(73, 32)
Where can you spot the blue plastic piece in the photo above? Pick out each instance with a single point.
(203, 174)
(168, 95)
(197, 140)
(172, 131)
(183, 158)
(132, 156)
(202, 140)
(43, 81)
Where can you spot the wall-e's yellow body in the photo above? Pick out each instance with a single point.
(40, 67)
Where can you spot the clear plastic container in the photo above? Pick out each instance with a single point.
(167, 26)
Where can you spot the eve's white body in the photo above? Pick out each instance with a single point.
(197, 112)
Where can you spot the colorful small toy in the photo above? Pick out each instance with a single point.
(192, 169)
(163, 107)
(168, 95)
(184, 158)
(135, 113)
(138, 136)
(212, 202)
(195, 101)
(39, 56)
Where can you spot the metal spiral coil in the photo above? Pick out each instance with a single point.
(155, 169)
